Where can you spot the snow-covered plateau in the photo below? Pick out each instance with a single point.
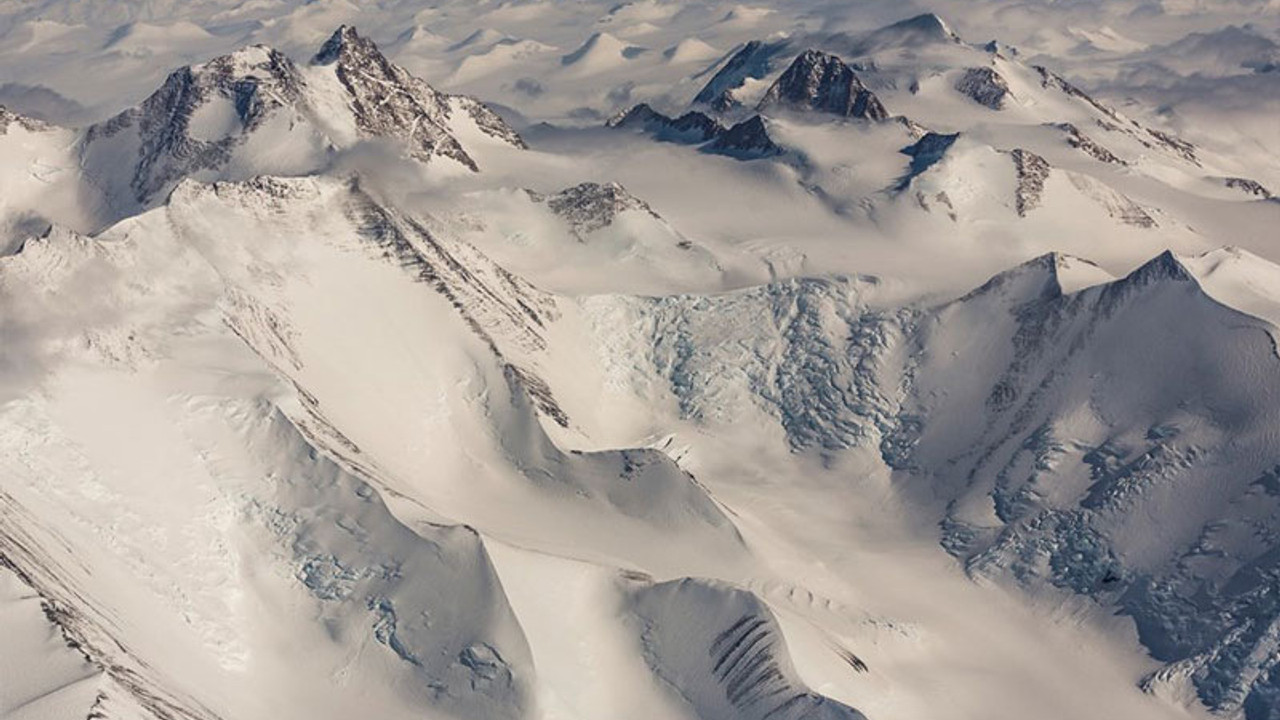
(653, 360)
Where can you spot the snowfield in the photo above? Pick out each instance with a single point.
(694, 361)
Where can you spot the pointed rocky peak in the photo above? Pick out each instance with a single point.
(1164, 270)
(1035, 279)
(389, 102)
(256, 79)
(752, 61)
(192, 123)
(1043, 277)
(1165, 266)
(638, 116)
(239, 75)
(747, 140)
(692, 127)
(1160, 271)
(984, 86)
(590, 206)
(821, 82)
(345, 44)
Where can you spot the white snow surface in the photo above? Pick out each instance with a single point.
(352, 365)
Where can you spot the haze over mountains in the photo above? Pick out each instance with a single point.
(679, 360)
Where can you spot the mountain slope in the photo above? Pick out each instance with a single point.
(255, 112)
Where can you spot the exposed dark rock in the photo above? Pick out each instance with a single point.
(590, 206)
(751, 61)
(1032, 171)
(747, 140)
(1087, 145)
(1252, 187)
(984, 86)
(820, 82)
(692, 127)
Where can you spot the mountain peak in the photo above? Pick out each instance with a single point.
(822, 82)
(1035, 279)
(692, 127)
(344, 42)
(752, 61)
(1165, 266)
(928, 24)
(917, 31)
(747, 140)
(388, 101)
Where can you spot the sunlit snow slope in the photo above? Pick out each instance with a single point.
(738, 363)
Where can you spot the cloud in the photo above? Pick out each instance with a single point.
(42, 103)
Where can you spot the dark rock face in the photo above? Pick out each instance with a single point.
(747, 140)
(690, 128)
(1252, 187)
(820, 82)
(258, 80)
(925, 153)
(1049, 79)
(389, 102)
(752, 61)
(1085, 144)
(591, 206)
(984, 86)
(175, 139)
(1032, 170)
(1116, 122)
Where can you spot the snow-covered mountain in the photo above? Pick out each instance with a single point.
(783, 361)
(255, 112)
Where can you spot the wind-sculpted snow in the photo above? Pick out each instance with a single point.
(504, 325)
(1068, 440)
(290, 487)
(241, 489)
(727, 395)
(722, 650)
